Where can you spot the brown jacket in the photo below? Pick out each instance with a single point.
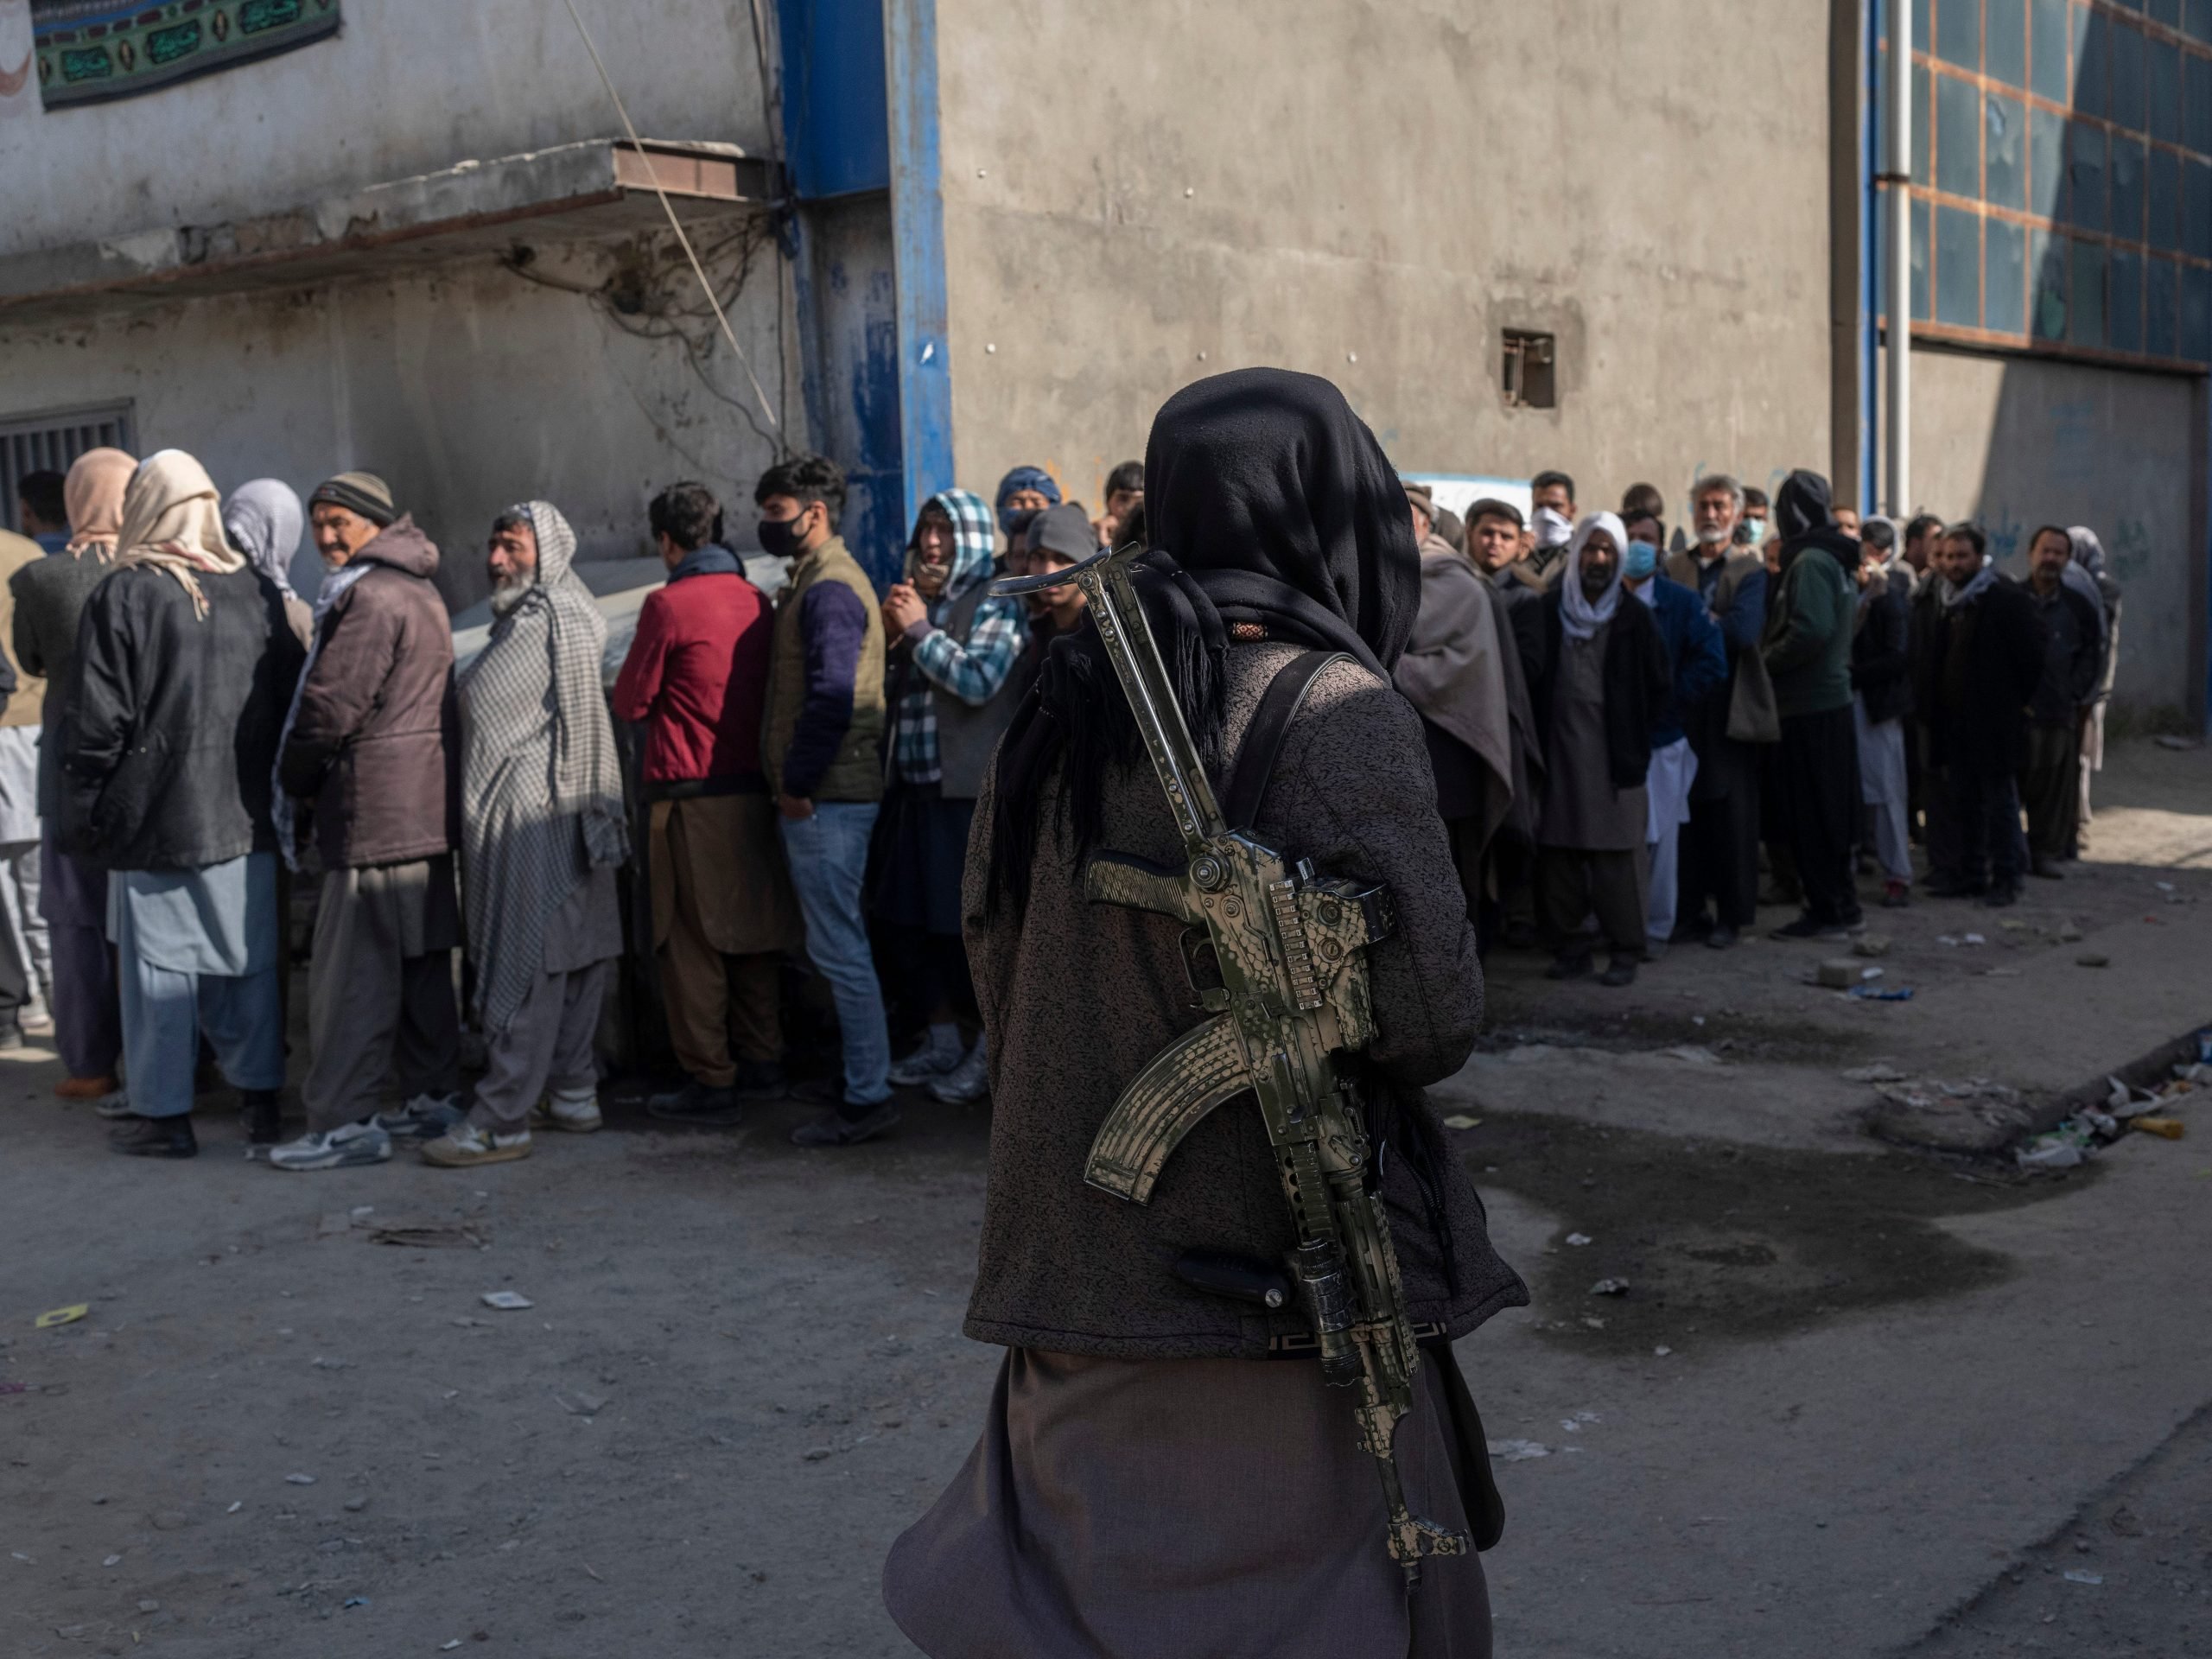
(375, 744)
(1078, 998)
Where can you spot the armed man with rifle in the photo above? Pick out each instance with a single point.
(1219, 947)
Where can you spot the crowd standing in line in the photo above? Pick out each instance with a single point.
(1620, 735)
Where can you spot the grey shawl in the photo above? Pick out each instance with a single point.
(541, 787)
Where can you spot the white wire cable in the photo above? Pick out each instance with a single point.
(674, 223)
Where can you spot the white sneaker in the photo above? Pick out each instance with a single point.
(577, 1114)
(464, 1146)
(926, 1064)
(970, 1080)
(339, 1148)
(34, 1017)
(425, 1117)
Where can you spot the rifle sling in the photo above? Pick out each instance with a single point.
(1261, 751)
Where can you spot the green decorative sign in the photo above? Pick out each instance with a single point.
(90, 51)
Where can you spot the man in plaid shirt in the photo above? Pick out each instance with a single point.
(954, 649)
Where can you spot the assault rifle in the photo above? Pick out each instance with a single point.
(1276, 956)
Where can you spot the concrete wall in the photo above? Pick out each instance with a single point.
(408, 88)
(467, 388)
(1140, 194)
(2018, 443)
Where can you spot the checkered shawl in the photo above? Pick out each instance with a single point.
(971, 670)
(541, 784)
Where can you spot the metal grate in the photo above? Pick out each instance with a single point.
(50, 443)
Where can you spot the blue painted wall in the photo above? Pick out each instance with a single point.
(836, 137)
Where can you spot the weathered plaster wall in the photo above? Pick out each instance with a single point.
(467, 388)
(2019, 443)
(1141, 194)
(408, 88)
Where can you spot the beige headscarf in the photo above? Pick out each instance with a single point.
(94, 492)
(173, 520)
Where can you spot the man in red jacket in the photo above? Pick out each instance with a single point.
(724, 913)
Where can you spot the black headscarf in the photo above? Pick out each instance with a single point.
(1804, 516)
(1272, 515)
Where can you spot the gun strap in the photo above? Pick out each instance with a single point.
(1261, 750)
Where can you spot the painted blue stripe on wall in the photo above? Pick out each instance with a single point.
(918, 245)
(834, 133)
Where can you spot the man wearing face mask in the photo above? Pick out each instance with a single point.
(822, 734)
(1698, 659)
(1751, 527)
(1552, 494)
(1719, 845)
(1023, 494)
(1599, 689)
(955, 648)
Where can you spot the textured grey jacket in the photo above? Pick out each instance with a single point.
(1077, 997)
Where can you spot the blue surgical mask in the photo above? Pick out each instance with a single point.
(1642, 559)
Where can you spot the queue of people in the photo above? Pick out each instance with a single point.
(1619, 736)
(1796, 687)
(199, 739)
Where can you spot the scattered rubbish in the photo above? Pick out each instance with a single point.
(111, 1561)
(1945, 938)
(1866, 975)
(815, 1455)
(332, 1364)
(1974, 939)
(1610, 1288)
(150, 1606)
(1876, 993)
(1837, 974)
(507, 1301)
(447, 1647)
(362, 1211)
(356, 1601)
(1517, 1451)
(2168, 740)
(1878, 1072)
(2164, 886)
(2082, 1575)
(1697, 1019)
(1661, 1351)
(2014, 927)
(2092, 959)
(53, 1317)
(2049, 1152)
(237, 1505)
(2167, 1129)
(2070, 934)
(429, 1234)
(1578, 1239)
(1868, 946)
(299, 1480)
(1461, 1121)
(355, 1505)
(1692, 1054)
(15, 1388)
(580, 1405)
(1593, 1322)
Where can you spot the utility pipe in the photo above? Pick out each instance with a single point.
(1896, 115)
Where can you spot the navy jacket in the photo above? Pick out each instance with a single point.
(1697, 656)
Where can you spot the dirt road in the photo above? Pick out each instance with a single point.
(1856, 1399)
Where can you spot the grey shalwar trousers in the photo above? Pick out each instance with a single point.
(380, 989)
(548, 1047)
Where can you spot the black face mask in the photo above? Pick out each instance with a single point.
(780, 536)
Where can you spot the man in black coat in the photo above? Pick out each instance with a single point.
(2051, 784)
(1598, 685)
(1977, 661)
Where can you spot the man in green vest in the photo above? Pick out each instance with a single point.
(821, 747)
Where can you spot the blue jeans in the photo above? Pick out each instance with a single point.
(827, 855)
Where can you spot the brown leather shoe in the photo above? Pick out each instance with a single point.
(87, 1088)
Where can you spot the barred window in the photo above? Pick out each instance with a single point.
(2062, 176)
(51, 442)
